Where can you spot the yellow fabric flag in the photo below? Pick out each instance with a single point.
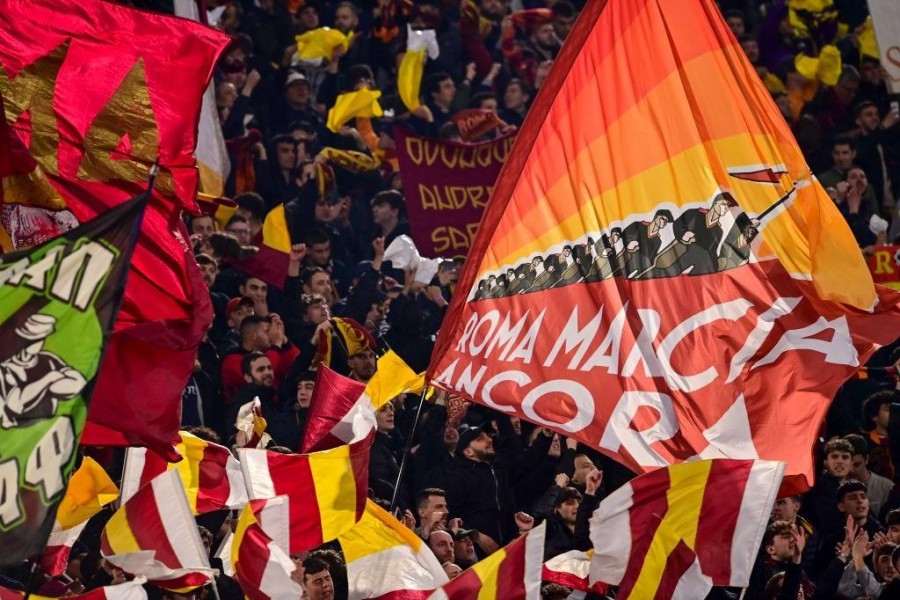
(392, 378)
(275, 230)
(409, 78)
(90, 489)
(319, 44)
(361, 103)
(826, 67)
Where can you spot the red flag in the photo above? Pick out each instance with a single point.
(657, 273)
(333, 397)
(96, 143)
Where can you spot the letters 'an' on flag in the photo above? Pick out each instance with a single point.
(385, 558)
(129, 590)
(656, 257)
(261, 565)
(511, 573)
(154, 534)
(327, 489)
(210, 473)
(58, 303)
(95, 144)
(676, 531)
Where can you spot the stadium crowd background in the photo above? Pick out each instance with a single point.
(477, 478)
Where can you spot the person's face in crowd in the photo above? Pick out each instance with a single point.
(446, 92)
(345, 20)
(319, 586)
(203, 226)
(209, 272)
(871, 72)
(544, 36)
(259, 340)
(855, 504)
(751, 49)
(868, 119)
(842, 156)
(441, 544)
(493, 9)
(514, 98)
(583, 466)
(241, 231)
(286, 154)
(837, 463)
(261, 372)
(207, 538)
(256, 289)
(309, 18)
(783, 102)
(376, 314)
(858, 467)
(326, 212)
(304, 392)
(435, 504)
(555, 446)
(568, 510)
(482, 448)
(465, 549)
(226, 95)
(883, 417)
(383, 213)
(320, 283)
(885, 568)
(737, 26)
(489, 104)
(319, 254)
(384, 418)
(452, 570)
(562, 26)
(893, 533)
(782, 547)
(317, 313)
(785, 509)
(857, 179)
(363, 364)
(297, 94)
(238, 315)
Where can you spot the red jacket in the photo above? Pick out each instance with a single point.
(232, 378)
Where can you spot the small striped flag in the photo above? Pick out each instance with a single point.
(260, 565)
(511, 573)
(129, 590)
(210, 473)
(154, 534)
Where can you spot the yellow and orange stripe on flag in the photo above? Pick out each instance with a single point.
(511, 573)
(687, 528)
(656, 257)
(210, 473)
(154, 534)
(327, 489)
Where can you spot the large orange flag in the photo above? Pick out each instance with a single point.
(657, 273)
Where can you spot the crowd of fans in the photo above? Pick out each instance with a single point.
(477, 479)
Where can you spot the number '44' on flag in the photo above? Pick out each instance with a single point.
(58, 304)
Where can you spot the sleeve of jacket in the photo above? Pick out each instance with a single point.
(543, 508)
(360, 300)
(582, 539)
(793, 578)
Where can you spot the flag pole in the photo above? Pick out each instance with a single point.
(31, 577)
(409, 440)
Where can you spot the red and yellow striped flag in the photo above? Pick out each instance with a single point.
(327, 489)
(154, 534)
(262, 568)
(210, 473)
(129, 590)
(511, 573)
(656, 257)
(678, 531)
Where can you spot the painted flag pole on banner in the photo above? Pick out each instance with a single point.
(645, 298)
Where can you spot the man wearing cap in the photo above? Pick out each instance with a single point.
(33, 381)
(464, 547)
(236, 310)
(478, 488)
(296, 103)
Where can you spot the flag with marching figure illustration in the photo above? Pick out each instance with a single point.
(385, 559)
(643, 279)
(58, 304)
(89, 490)
(154, 534)
(511, 573)
(210, 473)
(678, 531)
(327, 489)
(129, 590)
(260, 564)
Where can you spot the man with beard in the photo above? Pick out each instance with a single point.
(642, 243)
(705, 232)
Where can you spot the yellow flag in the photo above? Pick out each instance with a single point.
(409, 77)
(361, 103)
(90, 489)
(393, 377)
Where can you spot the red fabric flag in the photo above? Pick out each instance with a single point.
(95, 143)
(658, 274)
(333, 397)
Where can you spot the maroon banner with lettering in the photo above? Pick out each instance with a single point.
(446, 185)
(884, 264)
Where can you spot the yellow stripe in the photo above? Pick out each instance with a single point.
(487, 571)
(275, 231)
(90, 488)
(392, 378)
(192, 449)
(377, 531)
(119, 535)
(335, 490)
(211, 181)
(685, 497)
(247, 519)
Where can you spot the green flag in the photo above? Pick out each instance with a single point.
(58, 304)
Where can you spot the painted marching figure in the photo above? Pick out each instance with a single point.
(33, 381)
(643, 241)
(713, 240)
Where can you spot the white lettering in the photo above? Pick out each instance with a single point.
(580, 395)
(764, 325)
(619, 434)
(607, 354)
(574, 338)
(46, 465)
(518, 377)
(10, 511)
(82, 272)
(838, 351)
(525, 349)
